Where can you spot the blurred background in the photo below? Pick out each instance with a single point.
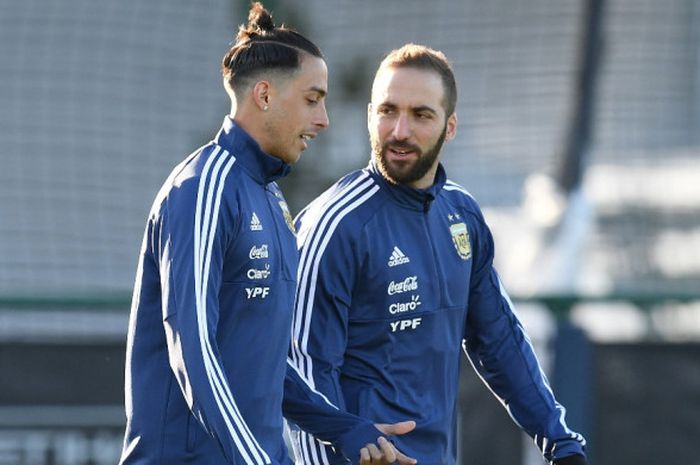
(579, 134)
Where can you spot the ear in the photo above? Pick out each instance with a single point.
(451, 127)
(369, 114)
(261, 94)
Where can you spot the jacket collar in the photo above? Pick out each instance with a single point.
(409, 197)
(262, 167)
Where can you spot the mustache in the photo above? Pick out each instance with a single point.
(401, 145)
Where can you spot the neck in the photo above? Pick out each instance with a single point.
(249, 124)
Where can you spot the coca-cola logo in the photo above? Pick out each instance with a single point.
(258, 252)
(407, 285)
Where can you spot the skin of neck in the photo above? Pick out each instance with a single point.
(248, 112)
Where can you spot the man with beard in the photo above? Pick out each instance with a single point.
(396, 275)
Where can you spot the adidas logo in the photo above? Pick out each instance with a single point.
(255, 224)
(397, 257)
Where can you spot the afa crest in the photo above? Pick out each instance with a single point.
(287, 216)
(460, 237)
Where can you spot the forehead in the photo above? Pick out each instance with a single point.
(411, 87)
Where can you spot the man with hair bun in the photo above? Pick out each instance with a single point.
(396, 280)
(207, 374)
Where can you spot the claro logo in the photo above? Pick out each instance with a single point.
(401, 307)
(254, 273)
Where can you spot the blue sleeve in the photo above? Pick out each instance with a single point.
(316, 415)
(197, 225)
(319, 334)
(501, 352)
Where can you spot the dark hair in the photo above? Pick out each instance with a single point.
(425, 58)
(261, 47)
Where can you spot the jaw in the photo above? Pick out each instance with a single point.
(400, 162)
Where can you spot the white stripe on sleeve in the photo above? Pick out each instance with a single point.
(206, 220)
(335, 210)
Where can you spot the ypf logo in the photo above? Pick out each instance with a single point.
(403, 325)
(257, 292)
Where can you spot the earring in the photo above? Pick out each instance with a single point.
(265, 108)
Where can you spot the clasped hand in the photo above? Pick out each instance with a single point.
(384, 452)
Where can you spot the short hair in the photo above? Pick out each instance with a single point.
(425, 58)
(262, 47)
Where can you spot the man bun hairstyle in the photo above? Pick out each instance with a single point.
(428, 59)
(258, 16)
(262, 47)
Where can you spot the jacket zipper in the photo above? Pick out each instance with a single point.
(433, 258)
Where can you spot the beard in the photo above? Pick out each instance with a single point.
(407, 173)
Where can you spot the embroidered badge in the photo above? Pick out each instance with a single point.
(460, 237)
(287, 216)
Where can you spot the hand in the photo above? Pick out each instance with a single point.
(387, 453)
(396, 429)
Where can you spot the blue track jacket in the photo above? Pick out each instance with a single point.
(393, 283)
(207, 373)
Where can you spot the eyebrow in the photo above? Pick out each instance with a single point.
(420, 108)
(417, 109)
(320, 91)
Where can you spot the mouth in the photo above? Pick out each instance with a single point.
(306, 137)
(401, 152)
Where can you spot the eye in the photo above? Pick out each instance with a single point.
(312, 101)
(425, 115)
(385, 110)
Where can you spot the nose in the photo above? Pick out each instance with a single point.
(321, 120)
(402, 129)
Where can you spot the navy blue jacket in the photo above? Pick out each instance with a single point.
(207, 373)
(393, 283)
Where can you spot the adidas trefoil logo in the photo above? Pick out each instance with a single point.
(397, 257)
(255, 224)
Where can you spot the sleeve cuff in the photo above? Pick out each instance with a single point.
(351, 442)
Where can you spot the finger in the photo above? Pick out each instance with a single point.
(365, 459)
(396, 429)
(403, 459)
(374, 453)
(388, 449)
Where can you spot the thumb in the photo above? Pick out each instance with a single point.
(396, 429)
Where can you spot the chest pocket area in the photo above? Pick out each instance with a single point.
(254, 259)
(398, 292)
